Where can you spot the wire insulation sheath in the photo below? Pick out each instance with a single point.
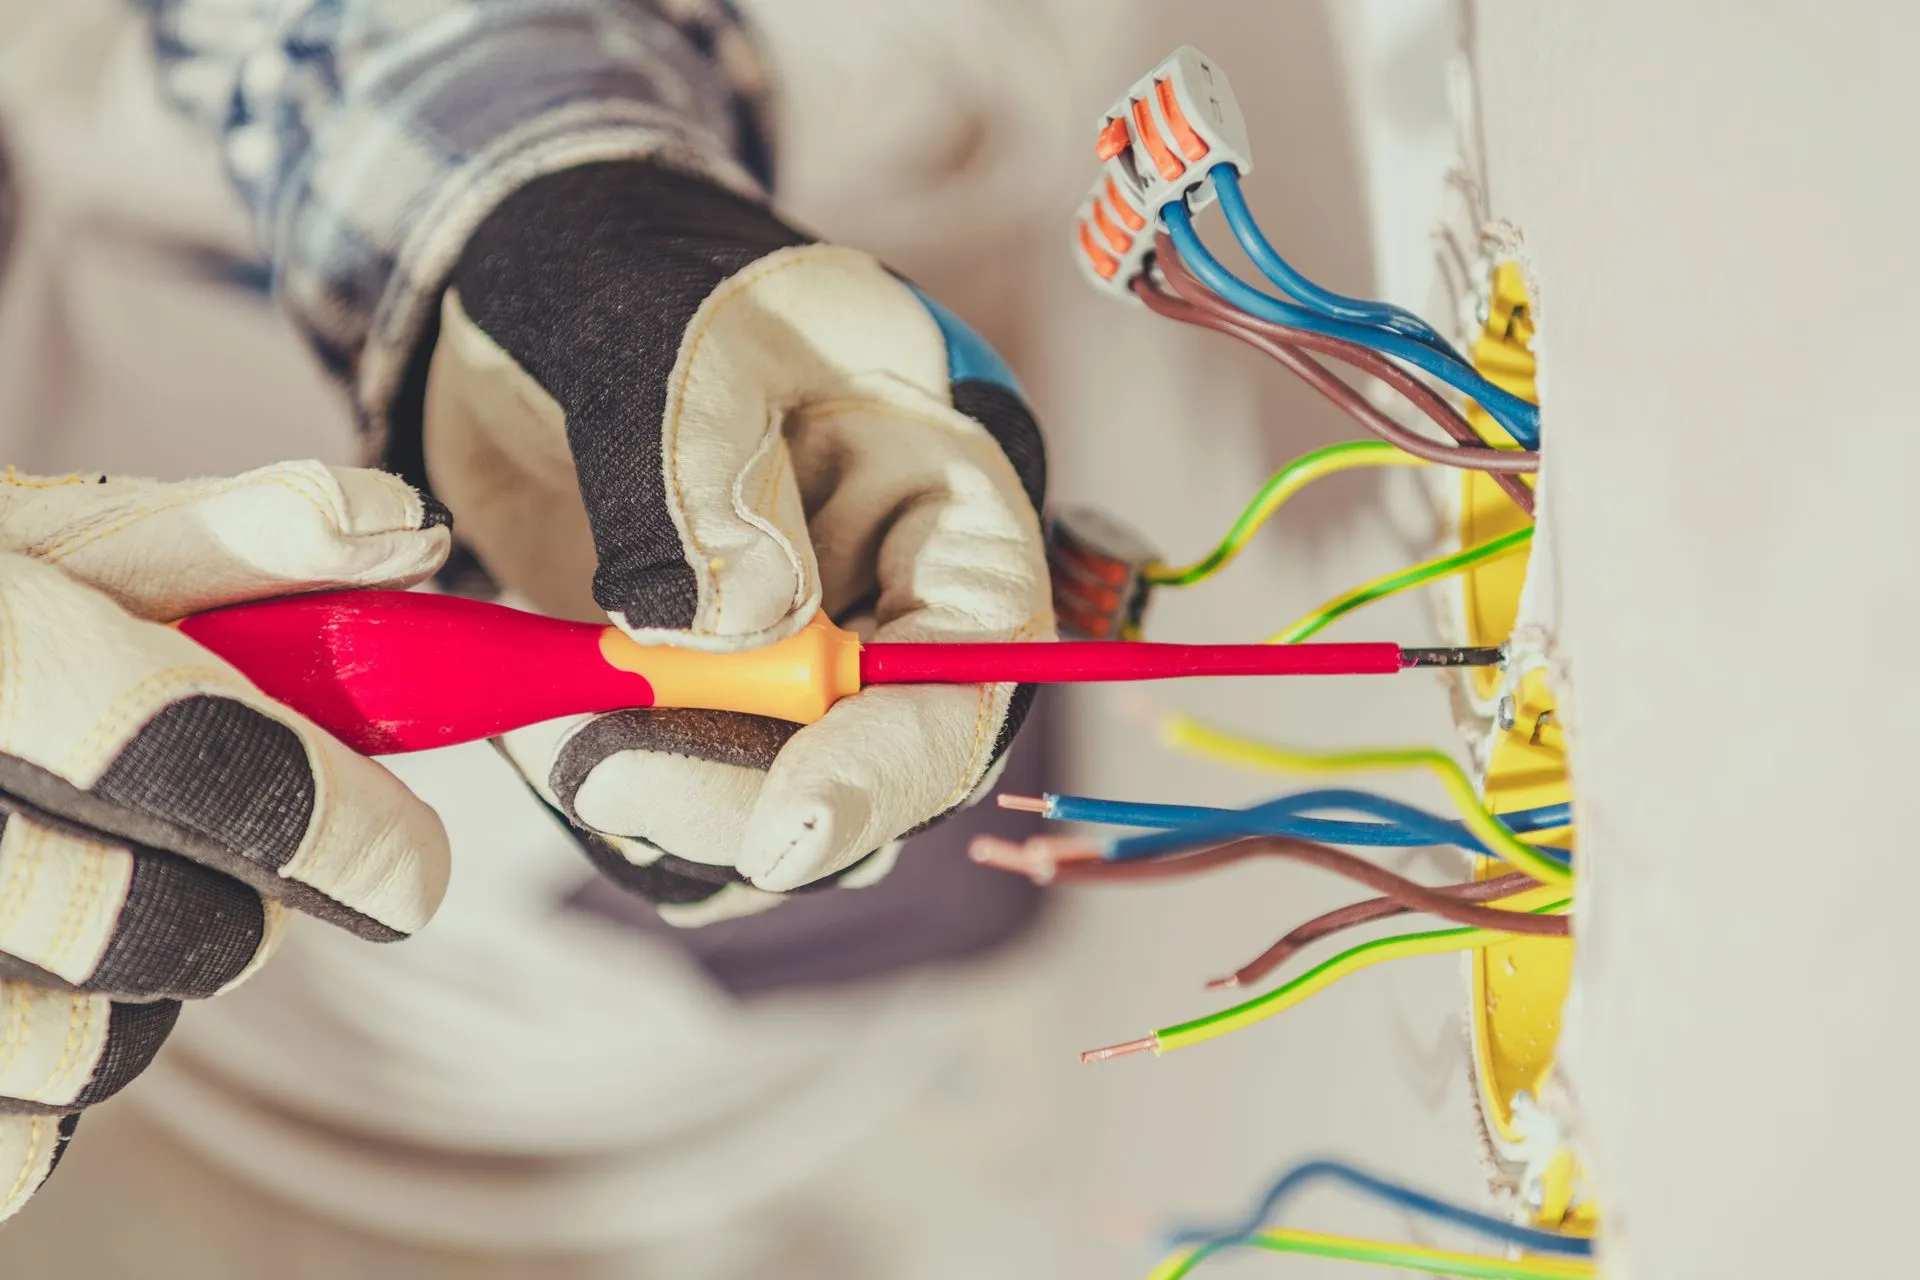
(1287, 346)
(1383, 1253)
(1187, 733)
(1280, 487)
(1410, 893)
(1214, 312)
(1520, 418)
(1285, 277)
(1400, 580)
(1359, 913)
(1398, 1194)
(1323, 975)
(1427, 828)
(1389, 833)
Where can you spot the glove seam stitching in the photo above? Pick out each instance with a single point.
(9, 655)
(81, 1011)
(86, 535)
(843, 406)
(34, 1137)
(78, 902)
(28, 854)
(14, 480)
(976, 765)
(320, 769)
(731, 291)
(193, 680)
(15, 1042)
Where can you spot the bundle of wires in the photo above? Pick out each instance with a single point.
(1290, 480)
(1280, 828)
(1569, 1254)
(1192, 301)
(1185, 282)
(1321, 313)
(1185, 840)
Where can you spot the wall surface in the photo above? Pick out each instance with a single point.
(1718, 202)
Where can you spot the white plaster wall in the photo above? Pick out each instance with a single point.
(1719, 201)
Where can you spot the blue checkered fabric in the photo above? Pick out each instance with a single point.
(370, 137)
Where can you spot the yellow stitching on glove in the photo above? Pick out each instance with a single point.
(27, 858)
(85, 534)
(18, 481)
(37, 1126)
(82, 898)
(77, 1027)
(10, 662)
(14, 1042)
(197, 679)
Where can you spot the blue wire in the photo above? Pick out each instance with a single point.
(1394, 1193)
(1417, 827)
(1522, 420)
(1161, 817)
(1420, 827)
(1246, 229)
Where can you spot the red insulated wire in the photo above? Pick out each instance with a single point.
(1081, 660)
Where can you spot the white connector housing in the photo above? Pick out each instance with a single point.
(1156, 145)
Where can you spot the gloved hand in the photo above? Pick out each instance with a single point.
(651, 397)
(158, 815)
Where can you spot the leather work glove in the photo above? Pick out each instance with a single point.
(652, 398)
(158, 815)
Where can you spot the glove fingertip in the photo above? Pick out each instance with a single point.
(792, 840)
(434, 514)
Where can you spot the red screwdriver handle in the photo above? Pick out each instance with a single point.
(390, 671)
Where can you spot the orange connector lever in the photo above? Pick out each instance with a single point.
(393, 671)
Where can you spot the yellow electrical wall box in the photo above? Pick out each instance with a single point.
(1519, 985)
(1503, 353)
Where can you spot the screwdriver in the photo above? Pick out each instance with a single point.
(394, 671)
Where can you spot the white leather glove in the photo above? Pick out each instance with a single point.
(651, 397)
(158, 815)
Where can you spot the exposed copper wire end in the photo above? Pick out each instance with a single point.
(1145, 1044)
(1023, 804)
(1216, 984)
(1037, 859)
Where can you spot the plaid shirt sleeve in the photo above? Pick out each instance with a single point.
(369, 138)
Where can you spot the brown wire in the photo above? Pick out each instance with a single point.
(1367, 912)
(1192, 290)
(1456, 903)
(1322, 379)
(1197, 305)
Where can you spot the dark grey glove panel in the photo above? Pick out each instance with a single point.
(588, 278)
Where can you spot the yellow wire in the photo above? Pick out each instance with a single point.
(1386, 1253)
(1187, 733)
(1281, 486)
(1389, 584)
(1323, 975)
